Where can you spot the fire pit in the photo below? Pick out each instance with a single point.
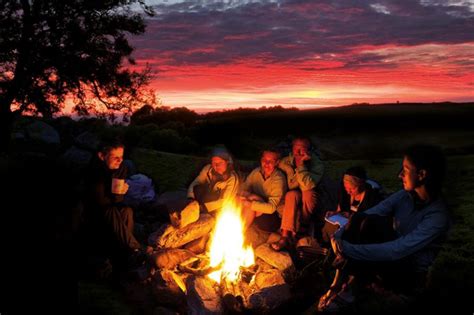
(224, 273)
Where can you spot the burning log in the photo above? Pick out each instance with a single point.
(174, 238)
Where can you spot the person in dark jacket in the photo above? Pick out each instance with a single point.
(109, 222)
(394, 243)
(356, 195)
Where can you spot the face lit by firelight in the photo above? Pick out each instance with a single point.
(113, 158)
(268, 162)
(219, 165)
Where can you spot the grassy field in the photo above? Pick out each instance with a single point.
(453, 272)
(452, 275)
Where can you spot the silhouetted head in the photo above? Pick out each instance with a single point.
(423, 165)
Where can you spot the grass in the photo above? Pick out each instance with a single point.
(452, 275)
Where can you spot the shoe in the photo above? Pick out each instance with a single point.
(339, 302)
(284, 243)
(323, 300)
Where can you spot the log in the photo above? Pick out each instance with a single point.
(171, 258)
(175, 238)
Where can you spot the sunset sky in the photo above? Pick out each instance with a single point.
(212, 55)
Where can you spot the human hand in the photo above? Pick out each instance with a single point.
(124, 188)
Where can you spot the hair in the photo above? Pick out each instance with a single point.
(431, 159)
(108, 145)
(272, 150)
(304, 139)
(357, 171)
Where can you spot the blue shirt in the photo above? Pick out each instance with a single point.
(420, 232)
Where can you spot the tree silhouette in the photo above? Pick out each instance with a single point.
(54, 51)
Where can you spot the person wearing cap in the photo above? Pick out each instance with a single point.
(356, 195)
(216, 182)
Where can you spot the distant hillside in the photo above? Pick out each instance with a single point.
(356, 131)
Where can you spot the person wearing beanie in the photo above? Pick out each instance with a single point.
(216, 182)
(356, 195)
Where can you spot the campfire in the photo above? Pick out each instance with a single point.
(227, 246)
(208, 266)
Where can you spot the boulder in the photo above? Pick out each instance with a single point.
(189, 214)
(203, 296)
(279, 260)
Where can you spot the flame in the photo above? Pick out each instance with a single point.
(227, 245)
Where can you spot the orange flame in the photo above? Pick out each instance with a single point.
(227, 245)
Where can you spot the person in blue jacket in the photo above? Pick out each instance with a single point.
(394, 243)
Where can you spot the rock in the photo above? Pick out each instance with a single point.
(42, 132)
(269, 298)
(279, 260)
(269, 292)
(175, 238)
(262, 265)
(274, 237)
(203, 296)
(171, 258)
(268, 278)
(189, 214)
(256, 236)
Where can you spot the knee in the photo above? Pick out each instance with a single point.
(292, 195)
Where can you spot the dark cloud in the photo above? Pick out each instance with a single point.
(207, 32)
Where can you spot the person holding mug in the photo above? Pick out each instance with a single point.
(109, 221)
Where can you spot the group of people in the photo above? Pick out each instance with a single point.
(391, 242)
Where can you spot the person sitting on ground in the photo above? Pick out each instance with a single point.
(395, 242)
(216, 183)
(109, 221)
(356, 195)
(304, 172)
(262, 193)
